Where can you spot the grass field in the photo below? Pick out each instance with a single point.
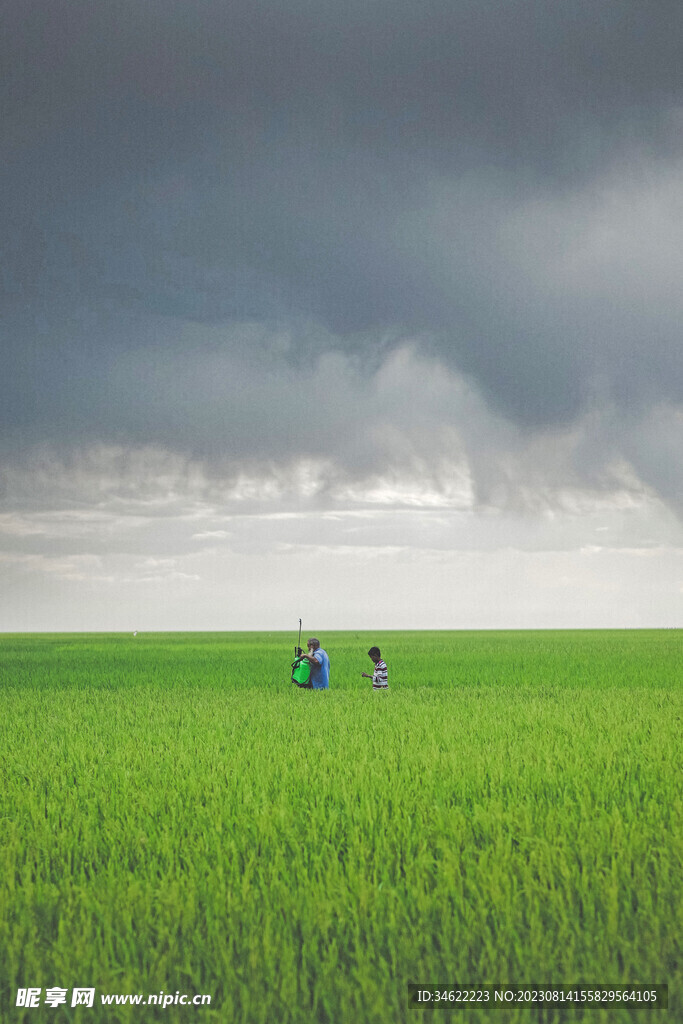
(175, 816)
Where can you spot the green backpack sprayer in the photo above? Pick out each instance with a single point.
(301, 669)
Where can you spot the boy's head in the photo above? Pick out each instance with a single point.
(374, 654)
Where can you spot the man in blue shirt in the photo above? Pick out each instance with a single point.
(320, 665)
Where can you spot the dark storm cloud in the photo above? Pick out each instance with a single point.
(354, 167)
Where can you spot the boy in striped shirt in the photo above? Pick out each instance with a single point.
(379, 677)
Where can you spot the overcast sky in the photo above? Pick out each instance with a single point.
(367, 313)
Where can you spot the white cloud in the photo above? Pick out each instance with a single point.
(75, 568)
(484, 523)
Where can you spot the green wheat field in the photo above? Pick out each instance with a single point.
(177, 817)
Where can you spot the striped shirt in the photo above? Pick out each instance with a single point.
(380, 679)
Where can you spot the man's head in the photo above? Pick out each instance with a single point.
(313, 643)
(374, 654)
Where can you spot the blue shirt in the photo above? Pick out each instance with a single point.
(320, 672)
